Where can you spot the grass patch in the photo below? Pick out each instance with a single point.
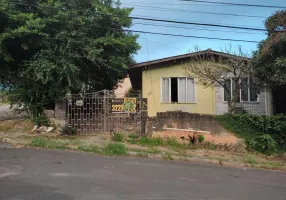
(250, 159)
(133, 136)
(115, 149)
(118, 137)
(272, 165)
(153, 151)
(173, 142)
(42, 142)
(168, 157)
(142, 154)
(91, 149)
(148, 141)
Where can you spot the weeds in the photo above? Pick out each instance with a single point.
(42, 142)
(41, 120)
(69, 131)
(201, 138)
(173, 142)
(133, 136)
(272, 165)
(250, 159)
(148, 141)
(168, 157)
(142, 155)
(117, 137)
(153, 151)
(91, 149)
(115, 149)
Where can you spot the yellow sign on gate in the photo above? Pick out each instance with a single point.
(124, 105)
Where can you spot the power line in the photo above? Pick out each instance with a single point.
(192, 24)
(172, 4)
(186, 22)
(191, 11)
(150, 19)
(236, 4)
(191, 28)
(178, 35)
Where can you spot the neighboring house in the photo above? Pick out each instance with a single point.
(166, 87)
(122, 88)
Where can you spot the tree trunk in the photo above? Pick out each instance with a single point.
(231, 105)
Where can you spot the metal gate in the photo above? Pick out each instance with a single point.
(102, 112)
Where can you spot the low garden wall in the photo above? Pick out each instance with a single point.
(184, 120)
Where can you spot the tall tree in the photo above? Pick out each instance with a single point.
(49, 48)
(269, 60)
(211, 70)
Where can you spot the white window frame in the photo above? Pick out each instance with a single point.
(161, 82)
(162, 89)
(241, 101)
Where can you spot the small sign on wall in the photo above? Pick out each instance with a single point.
(79, 103)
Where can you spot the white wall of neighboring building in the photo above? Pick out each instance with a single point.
(255, 108)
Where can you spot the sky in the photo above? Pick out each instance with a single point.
(158, 46)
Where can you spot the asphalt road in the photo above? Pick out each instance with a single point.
(32, 174)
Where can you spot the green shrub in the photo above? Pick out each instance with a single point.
(115, 149)
(201, 138)
(118, 137)
(264, 144)
(250, 126)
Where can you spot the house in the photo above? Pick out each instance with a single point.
(166, 87)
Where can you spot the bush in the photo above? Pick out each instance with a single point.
(249, 127)
(201, 138)
(118, 137)
(264, 144)
(41, 120)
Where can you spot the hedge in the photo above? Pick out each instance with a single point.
(250, 126)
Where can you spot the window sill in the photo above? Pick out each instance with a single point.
(245, 102)
(179, 103)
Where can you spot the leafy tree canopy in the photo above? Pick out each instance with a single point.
(49, 48)
(270, 58)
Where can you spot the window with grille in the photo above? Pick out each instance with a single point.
(178, 90)
(247, 93)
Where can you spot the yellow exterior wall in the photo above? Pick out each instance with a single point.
(151, 89)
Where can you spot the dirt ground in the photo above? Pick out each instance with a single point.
(18, 133)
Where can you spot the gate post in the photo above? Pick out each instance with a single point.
(105, 110)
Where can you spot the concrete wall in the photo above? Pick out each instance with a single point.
(151, 89)
(58, 116)
(185, 121)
